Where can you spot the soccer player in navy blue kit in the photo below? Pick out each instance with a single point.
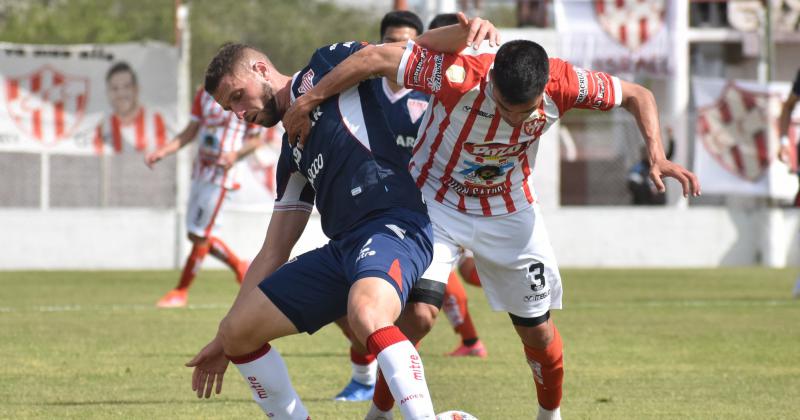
(370, 209)
(403, 109)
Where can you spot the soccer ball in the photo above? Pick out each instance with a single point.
(455, 415)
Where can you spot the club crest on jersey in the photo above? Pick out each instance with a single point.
(734, 130)
(416, 108)
(534, 126)
(306, 82)
(631, 22)
(47, 104)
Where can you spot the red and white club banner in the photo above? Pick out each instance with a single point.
(621, 37)
(737, 142)
(111, 98)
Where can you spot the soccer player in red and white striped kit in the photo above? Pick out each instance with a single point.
(472, 162)
(224, 139)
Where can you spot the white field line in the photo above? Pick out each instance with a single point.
(577, 306)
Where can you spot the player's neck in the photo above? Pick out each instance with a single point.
(284, 94)
(129, 117)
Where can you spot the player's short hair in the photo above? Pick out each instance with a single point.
(120, 67)
(521, 71)
(223, 63)
(443, 19)
(403, 19)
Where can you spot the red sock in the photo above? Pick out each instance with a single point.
(193, 263)
(548, 371)
(360, 358)
(455, 308)
(220, 250)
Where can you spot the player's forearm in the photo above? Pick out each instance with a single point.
(786, 115)
(447, 39)
(370, 61)
(249, 146)
(640, 102)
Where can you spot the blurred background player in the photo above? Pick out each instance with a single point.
(130, 125)
(404, 109)
(788, 155)
(224, 139)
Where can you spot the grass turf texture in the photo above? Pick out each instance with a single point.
(639, 344)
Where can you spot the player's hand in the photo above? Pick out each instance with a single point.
(227, 160)
(296, 120)
(209, 368)
(479, 30)
(665, 168)
(151, 158)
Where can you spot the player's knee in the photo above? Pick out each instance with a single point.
(197, 240)
(534, 332)
(232, 334)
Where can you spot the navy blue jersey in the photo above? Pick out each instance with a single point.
(404, 110)
(350, 167)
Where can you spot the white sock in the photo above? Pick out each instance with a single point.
(375, 413)
(402, 369)
(545, 414)
(266, 375)
(365, 374)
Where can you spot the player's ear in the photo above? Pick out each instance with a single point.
(262, 69)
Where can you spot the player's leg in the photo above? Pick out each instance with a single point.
(467, 270)
(214, 198)
(364, 368)
(424, 302)
(197, 220)
(387, 264)
(457, 312)
(301, 296)
(520, 275)
(224, 253)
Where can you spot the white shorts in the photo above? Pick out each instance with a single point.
(512, 252)
(205, 203)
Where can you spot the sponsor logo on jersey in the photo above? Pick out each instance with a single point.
(494, 150)
(416, 108)
(365, 251)
(456, 74)
(435, 81)
(599, 99)
(583, 85)
(536, 298)
(416, 77)
(306, 82)
(47, 104)
(631, 22)
(314, 169)
(475, 189)
(480, 113)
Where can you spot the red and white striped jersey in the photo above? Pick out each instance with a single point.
(220, 132)
(147, 131)
(466, 156)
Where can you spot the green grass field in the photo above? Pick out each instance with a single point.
(639, 344)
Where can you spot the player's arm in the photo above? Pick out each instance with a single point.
(182, 139)
(639, 101)
(783, 126)
(379, 60)
(249, 145)
(285, 228)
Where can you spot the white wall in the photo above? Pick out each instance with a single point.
(582, 237)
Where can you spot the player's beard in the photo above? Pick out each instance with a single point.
(268, 116)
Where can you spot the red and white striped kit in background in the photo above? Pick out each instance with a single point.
(220, 132)
(146, 132)
(466, 156)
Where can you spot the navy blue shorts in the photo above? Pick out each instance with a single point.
(312, 289)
